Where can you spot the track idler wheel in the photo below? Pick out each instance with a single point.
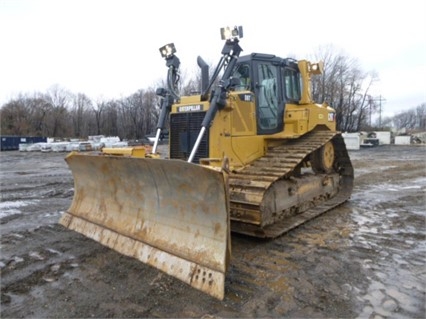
(322, 160)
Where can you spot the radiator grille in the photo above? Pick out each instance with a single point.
(184, 130)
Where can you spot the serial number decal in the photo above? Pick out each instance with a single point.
(331, 117)
(190, 108)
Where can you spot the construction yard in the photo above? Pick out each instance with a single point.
(364, 259)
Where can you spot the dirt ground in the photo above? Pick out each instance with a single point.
(364, 259)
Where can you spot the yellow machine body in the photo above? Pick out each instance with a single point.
(233, 132)
(258, 160)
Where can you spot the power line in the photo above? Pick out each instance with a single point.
(379, 99)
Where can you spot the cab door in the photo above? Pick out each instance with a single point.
(269, 101)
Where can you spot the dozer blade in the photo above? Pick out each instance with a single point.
(169, 214)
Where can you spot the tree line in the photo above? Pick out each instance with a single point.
(413, 119)
(61, 114)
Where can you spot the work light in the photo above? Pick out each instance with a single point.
(168, 50)
(228, 33)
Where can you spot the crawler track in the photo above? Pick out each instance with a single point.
(283, 164)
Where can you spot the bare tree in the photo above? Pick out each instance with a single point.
(59, 113)
(59, 100)
(110, 123)
(25, 115)
(98, 110)
(421, 116)
(406, 120)
(39, 110)
(138, 114)
(81, 115)
(14, 118)
(411, 119)
(345, 86)
(128, 116)
(151, 110)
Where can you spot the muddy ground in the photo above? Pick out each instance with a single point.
(365, 259)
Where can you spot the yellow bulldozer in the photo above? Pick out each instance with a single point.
(250, 153)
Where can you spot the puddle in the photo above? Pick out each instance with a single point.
(10, 208)
(395, 248)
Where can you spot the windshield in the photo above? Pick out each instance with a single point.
(242, 73)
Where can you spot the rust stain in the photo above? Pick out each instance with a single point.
(115, 205)
(217, 228)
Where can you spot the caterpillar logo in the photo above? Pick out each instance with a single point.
(245, 97)
(190, 108)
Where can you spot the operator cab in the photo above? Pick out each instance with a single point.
(274, 82)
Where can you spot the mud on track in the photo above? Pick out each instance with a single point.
(365, 259)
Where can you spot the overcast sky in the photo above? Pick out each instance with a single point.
(109, 49)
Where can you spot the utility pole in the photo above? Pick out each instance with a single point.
(379, 99)
(380, 110)
(370, 101)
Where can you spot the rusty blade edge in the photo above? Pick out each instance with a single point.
(199, 277)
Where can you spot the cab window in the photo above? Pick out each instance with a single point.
(242, 73)
(292, 85)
